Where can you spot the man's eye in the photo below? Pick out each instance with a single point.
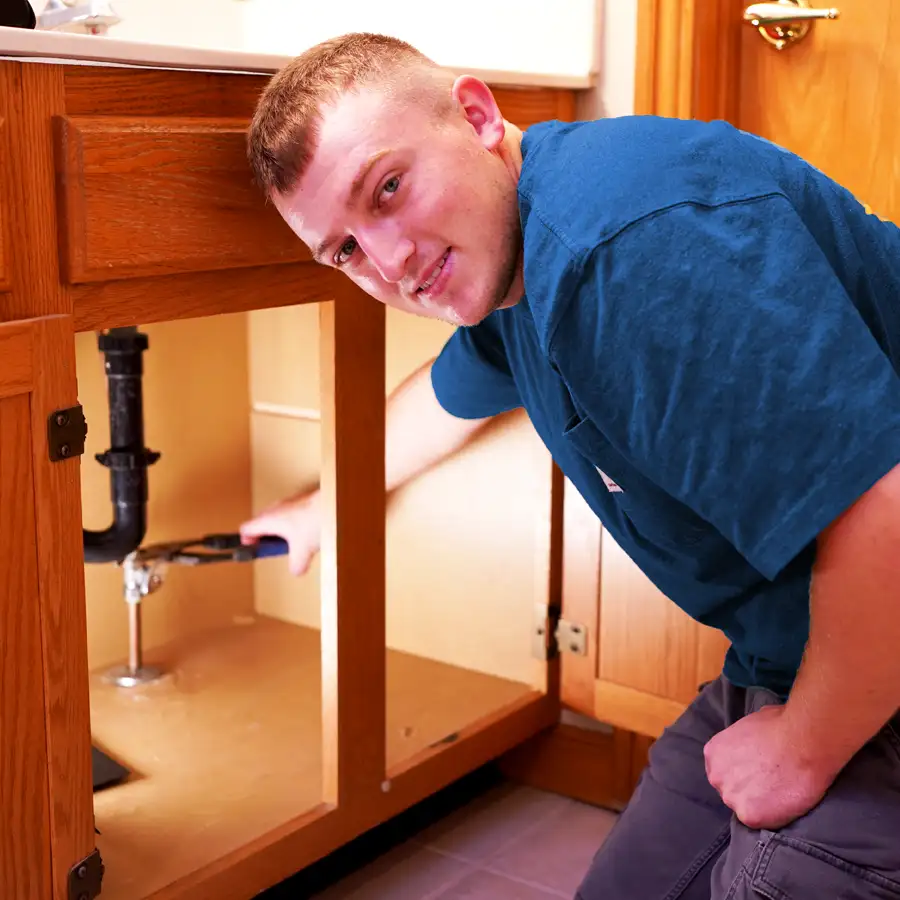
(346, 250)
(392, 185)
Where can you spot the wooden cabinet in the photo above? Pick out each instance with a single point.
(268, 742)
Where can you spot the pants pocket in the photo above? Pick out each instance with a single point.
(793, 869)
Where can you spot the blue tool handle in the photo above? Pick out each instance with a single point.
(270, 545)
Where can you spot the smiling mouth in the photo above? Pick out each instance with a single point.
(433, 284)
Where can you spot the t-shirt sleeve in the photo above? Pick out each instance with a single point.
(471, 376)
(717, 349)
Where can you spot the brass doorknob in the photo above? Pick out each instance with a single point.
(784, 22)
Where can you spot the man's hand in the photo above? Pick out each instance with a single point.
(762, 773)
(299, 521)
(776, 764)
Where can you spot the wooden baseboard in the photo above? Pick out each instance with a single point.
(596, 767)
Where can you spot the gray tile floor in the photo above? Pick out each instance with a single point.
(512, 843)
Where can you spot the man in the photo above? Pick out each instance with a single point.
(705, 332)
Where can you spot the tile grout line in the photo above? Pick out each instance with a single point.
(488, 867)
(467, 869)
(524, 881)
(484, 865)
(502, 848)
(472, 869)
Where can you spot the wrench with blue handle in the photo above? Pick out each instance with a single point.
(214, 548)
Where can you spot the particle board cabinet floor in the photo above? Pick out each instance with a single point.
(227, 746)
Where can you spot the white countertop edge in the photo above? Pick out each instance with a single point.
(61, 48)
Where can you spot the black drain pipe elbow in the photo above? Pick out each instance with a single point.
(127, 459)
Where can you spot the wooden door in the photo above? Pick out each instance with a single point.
(831, 97)
(45, 751)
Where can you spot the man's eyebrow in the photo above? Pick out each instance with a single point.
(355, 190)
(362, 174)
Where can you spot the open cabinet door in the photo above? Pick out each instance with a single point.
(642, 659)
(830, 95)
(46, 830)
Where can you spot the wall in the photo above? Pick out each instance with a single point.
(556, 38)
(552, 38)
(196, 400)
(616, 52)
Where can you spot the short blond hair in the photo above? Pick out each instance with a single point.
(284, 131)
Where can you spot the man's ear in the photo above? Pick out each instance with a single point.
(480, 109)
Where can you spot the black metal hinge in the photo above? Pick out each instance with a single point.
(66, 433)
(86, 878)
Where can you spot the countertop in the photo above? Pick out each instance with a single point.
(80, 49)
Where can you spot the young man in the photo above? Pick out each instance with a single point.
(705, 331)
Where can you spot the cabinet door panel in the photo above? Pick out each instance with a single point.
(45, 752)
(646, 658)
(24, 832)
(648, 643)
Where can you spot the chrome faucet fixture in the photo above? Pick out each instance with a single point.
(81, 16)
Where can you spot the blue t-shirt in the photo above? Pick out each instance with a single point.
(708, 345)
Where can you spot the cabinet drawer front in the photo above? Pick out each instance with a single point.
(166, 195)
(526, 106)
(161, 196)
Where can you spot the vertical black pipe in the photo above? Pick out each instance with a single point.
(127, 459)
(17, 14)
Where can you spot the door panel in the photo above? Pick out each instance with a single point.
(830, 97)
(60, 557)
(647, 643)
(24, 832)
(45, 763)
(645, 657)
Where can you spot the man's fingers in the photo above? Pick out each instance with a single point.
(261, 525)
(299, 554)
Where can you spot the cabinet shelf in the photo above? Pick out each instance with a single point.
(227, 746)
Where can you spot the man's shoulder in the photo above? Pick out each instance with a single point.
(589, 180)
(583, 184)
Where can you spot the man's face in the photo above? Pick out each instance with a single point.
(420, 212)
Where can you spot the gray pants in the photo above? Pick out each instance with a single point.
(676, 840)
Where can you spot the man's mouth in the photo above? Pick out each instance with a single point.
(437, 278)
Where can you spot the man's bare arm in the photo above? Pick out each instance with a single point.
(419, 434)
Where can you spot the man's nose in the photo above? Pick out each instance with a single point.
(389, 253)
